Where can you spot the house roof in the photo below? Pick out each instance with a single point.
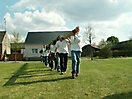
(2, 34)
(120, 45)
(43, 37)
(88, 46)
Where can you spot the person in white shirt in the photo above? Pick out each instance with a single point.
(75, 41)
(62, 47)
(41, 55)
(45, 55)
(58, 58)
(52, 57)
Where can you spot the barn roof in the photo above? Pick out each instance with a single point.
(43, 37)
(120, 45)
(89, 46)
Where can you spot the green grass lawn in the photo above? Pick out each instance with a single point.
(99, 79)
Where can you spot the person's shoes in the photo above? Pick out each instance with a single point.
(52, 69)
(47, 65)
(58, 70)
(77, 75)
(62, 73)
(73, 76)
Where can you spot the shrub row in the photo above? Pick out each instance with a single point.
(108, 53)
(122, 53)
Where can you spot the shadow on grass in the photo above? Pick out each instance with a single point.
(12, 80)
(24, 73)
(119, 96)
(45, 80)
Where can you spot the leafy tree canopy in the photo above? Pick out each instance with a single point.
(112, 40)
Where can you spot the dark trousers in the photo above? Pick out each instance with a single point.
(43, 58)
(52, 58)
(63, 61)
(46, 60)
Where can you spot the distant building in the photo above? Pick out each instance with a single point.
(122, 49)
(35, 40)
(4, 43)
(87, 49)
(125, 45)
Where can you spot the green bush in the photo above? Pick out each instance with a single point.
(125, 53)
(105, 52)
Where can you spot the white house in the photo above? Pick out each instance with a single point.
(35, 40)
(4, 43)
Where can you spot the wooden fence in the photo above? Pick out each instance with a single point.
(11, 57)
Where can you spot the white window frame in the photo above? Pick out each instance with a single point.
(34, 51)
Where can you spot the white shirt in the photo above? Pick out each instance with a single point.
(52, 48)
(45, 52)
(62, 46)
(76, 42)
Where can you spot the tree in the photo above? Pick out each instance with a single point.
(15, 40)
(89, 34)
(112, 40)
(102, 44)
(89, 37)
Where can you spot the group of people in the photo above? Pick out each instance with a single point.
(57, 56)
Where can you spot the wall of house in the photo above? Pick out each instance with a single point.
(28, 50)
(87, 51)
(6, 45)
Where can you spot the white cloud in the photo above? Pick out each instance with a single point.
(120, 27)
(21, 4)
(80, 10)
(23, 22)
(108, 17)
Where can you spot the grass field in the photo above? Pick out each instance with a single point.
(99, 79)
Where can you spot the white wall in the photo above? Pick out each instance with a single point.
(6, 45)
(28, 50)
(29, 47)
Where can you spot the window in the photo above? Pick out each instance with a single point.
(34, 51)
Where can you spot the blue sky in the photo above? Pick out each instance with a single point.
(4, 9)
(107, 17)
